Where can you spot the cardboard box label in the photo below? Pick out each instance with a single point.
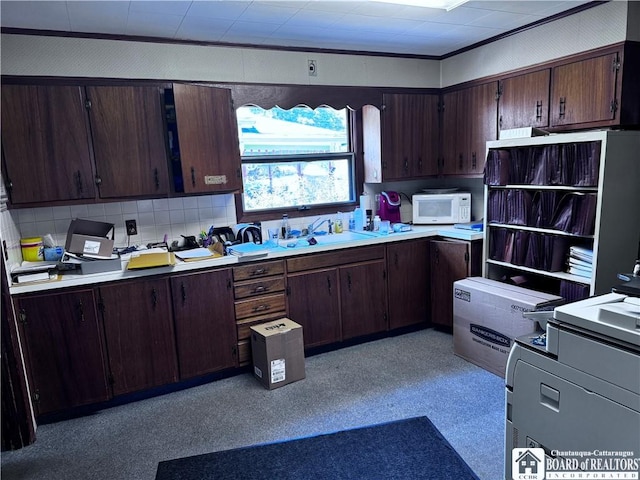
(489, 335)
(278, 370)
(92, 247)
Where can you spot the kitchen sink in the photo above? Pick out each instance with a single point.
(322, 239)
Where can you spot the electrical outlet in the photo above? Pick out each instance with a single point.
(131, 226)
(313, 68)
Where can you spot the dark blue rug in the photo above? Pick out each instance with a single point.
(411, 449)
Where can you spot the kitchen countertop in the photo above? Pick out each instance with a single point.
(365, 238)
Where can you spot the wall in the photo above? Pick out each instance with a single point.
(596, 27)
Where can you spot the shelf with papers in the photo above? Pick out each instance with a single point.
(548, 197)
(558, 275)
(549, 231)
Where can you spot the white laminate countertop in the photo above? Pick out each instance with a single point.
(365, 238)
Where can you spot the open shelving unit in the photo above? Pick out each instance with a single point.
(590, 182)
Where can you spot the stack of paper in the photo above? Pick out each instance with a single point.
(580, 262)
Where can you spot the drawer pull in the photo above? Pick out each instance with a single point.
(259, 271)
(260, 289)
(261, 308)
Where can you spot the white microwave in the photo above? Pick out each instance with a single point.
(441, 208)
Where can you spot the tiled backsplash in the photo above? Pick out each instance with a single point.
(155, 218)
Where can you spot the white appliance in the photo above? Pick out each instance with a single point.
(441, 208)
(581, 391)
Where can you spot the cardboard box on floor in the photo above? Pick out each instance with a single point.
(278, 353)
(487, 317)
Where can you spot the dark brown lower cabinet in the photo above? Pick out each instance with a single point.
(139, 334)
(451, 260)
(363, 299)
(64, 350)
(204, 322)
(408, 283)
(314, 303)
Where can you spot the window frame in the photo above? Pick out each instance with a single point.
(354, 128)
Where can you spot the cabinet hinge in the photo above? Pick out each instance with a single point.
(234, 351)
(384, 274)
(22, 316)
(36, 396)
(288, 290)
(87, 104)
(98, 180)
(614, 106)
(9, 184)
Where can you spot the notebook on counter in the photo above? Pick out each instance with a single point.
(476, 226)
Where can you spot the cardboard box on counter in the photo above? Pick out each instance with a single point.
(487, 317)
(87, 237)
(277, 348)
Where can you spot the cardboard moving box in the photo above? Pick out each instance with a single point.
(87, 237)
(487, 317)
(278, 353)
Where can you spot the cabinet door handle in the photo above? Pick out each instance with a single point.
(78, 182)
(154, 297)
(80, 308)
(193, 177)
(406, 164)
(500, 122)
(474, 162)
(329, 284)
(349, 281)
(539, 110)
(395, 259)
(437, 254)
(420, 164)
(563, 106)
(183, 292)
(156, 178)
(460, 162)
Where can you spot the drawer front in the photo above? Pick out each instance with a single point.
(244, 326)
(259, 306)
(260, 287)
(336, 258)
(244, 352)
(258, 270)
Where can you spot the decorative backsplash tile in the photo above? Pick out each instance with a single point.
(155, 218)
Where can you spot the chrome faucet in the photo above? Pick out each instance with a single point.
(313, 227)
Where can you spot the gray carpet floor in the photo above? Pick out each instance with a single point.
(399, 377)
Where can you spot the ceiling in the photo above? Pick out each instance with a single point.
(363, 26)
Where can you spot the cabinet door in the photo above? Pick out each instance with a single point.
(408, 283)
(314, 303)
(524, 100)
(396, 137)
(425, 134)
(449, 262)
(482, 123)
(584, 91)
(363, 299)
(451, 142)
(63, 350)
(46, 144)
(128, 141)
(204, 322)
(208, 136)
(139, 334)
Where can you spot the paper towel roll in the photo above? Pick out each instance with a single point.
(365, 203)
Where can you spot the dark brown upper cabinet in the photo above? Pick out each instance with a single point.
(209, 152)
(585, 91)
(524, 100)
(45, 139)
(401, 140)
(128, 140)
(469, 119)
